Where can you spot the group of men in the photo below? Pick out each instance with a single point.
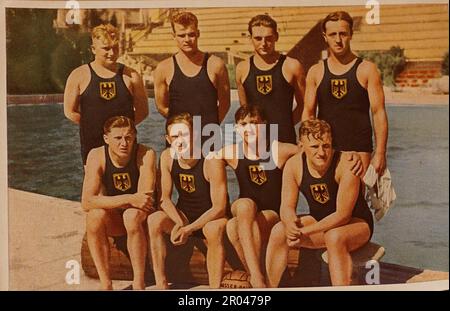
(333, 151)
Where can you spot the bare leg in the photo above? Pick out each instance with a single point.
(158, 225)
(277, 255)
(278, 249)
(97, 223)
(136, 244)
(233, 236)
(265, 221)
(215, 257)
(340, 242)
(250, 239)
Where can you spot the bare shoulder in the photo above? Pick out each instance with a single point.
(215, 62)
(316, 70)
(243, 67)
(146, 153)
(368, 67)
(131, 73)
(293, 168)
(294, 161)
(293, 63)
(288, 149)
(164, 65)
(79, 74)
(96, 158)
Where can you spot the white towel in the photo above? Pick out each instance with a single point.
(381, 192)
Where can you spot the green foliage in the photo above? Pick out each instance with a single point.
(39, 60)
(390, 63)
(30, 40)
(445, 65)
(72, 51)
(232, 75)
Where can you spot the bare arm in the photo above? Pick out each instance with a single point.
(223, 89)
(166, 189)
(346, 198)
(216, 174)
(289, 196)
(140, 101)
(161, 89)
(297, 74)
(72, 97)
(309, 111)
(93, 195)
(285, 151)
(147, 173)
(380, 122)
(240, 68)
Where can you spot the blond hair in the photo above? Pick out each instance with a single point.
(314, 127)
(184, 117)
(105, 33)
(185, 19)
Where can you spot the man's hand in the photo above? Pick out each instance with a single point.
(179, 235)
(292, 230)
(379, 163)
(357, 166)
(143, 201)
(295, 242)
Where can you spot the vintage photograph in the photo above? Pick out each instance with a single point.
(158, 146)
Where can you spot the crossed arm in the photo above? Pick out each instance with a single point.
(347, 195)
(93, 193)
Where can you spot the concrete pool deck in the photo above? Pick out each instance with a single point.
(46, 232)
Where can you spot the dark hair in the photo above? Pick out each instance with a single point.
(262, 20)
(337, 16)
(253, 111)
(179, 118)
(184, 18)
(315, 127)
(119, 122)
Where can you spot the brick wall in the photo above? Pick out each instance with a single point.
(419, 73)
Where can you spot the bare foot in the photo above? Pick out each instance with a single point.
(138, 285)
(106, 286)
(257, 282)
(164, 285)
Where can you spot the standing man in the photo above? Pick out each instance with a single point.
(201, 207)
(102, 89)
(117, 196)
(271, 80)
(191, 81)
(345, 89)
(339, 218)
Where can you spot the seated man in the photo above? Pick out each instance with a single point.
(339, 218)
(201, 206)
(259, 176)
(118, 196)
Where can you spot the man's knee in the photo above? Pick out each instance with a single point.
(154, 222)
(133, 220)
(231, 228)
(214, 231)
(96, 219)
(278, 233)
(245, 208)
(334, 239)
